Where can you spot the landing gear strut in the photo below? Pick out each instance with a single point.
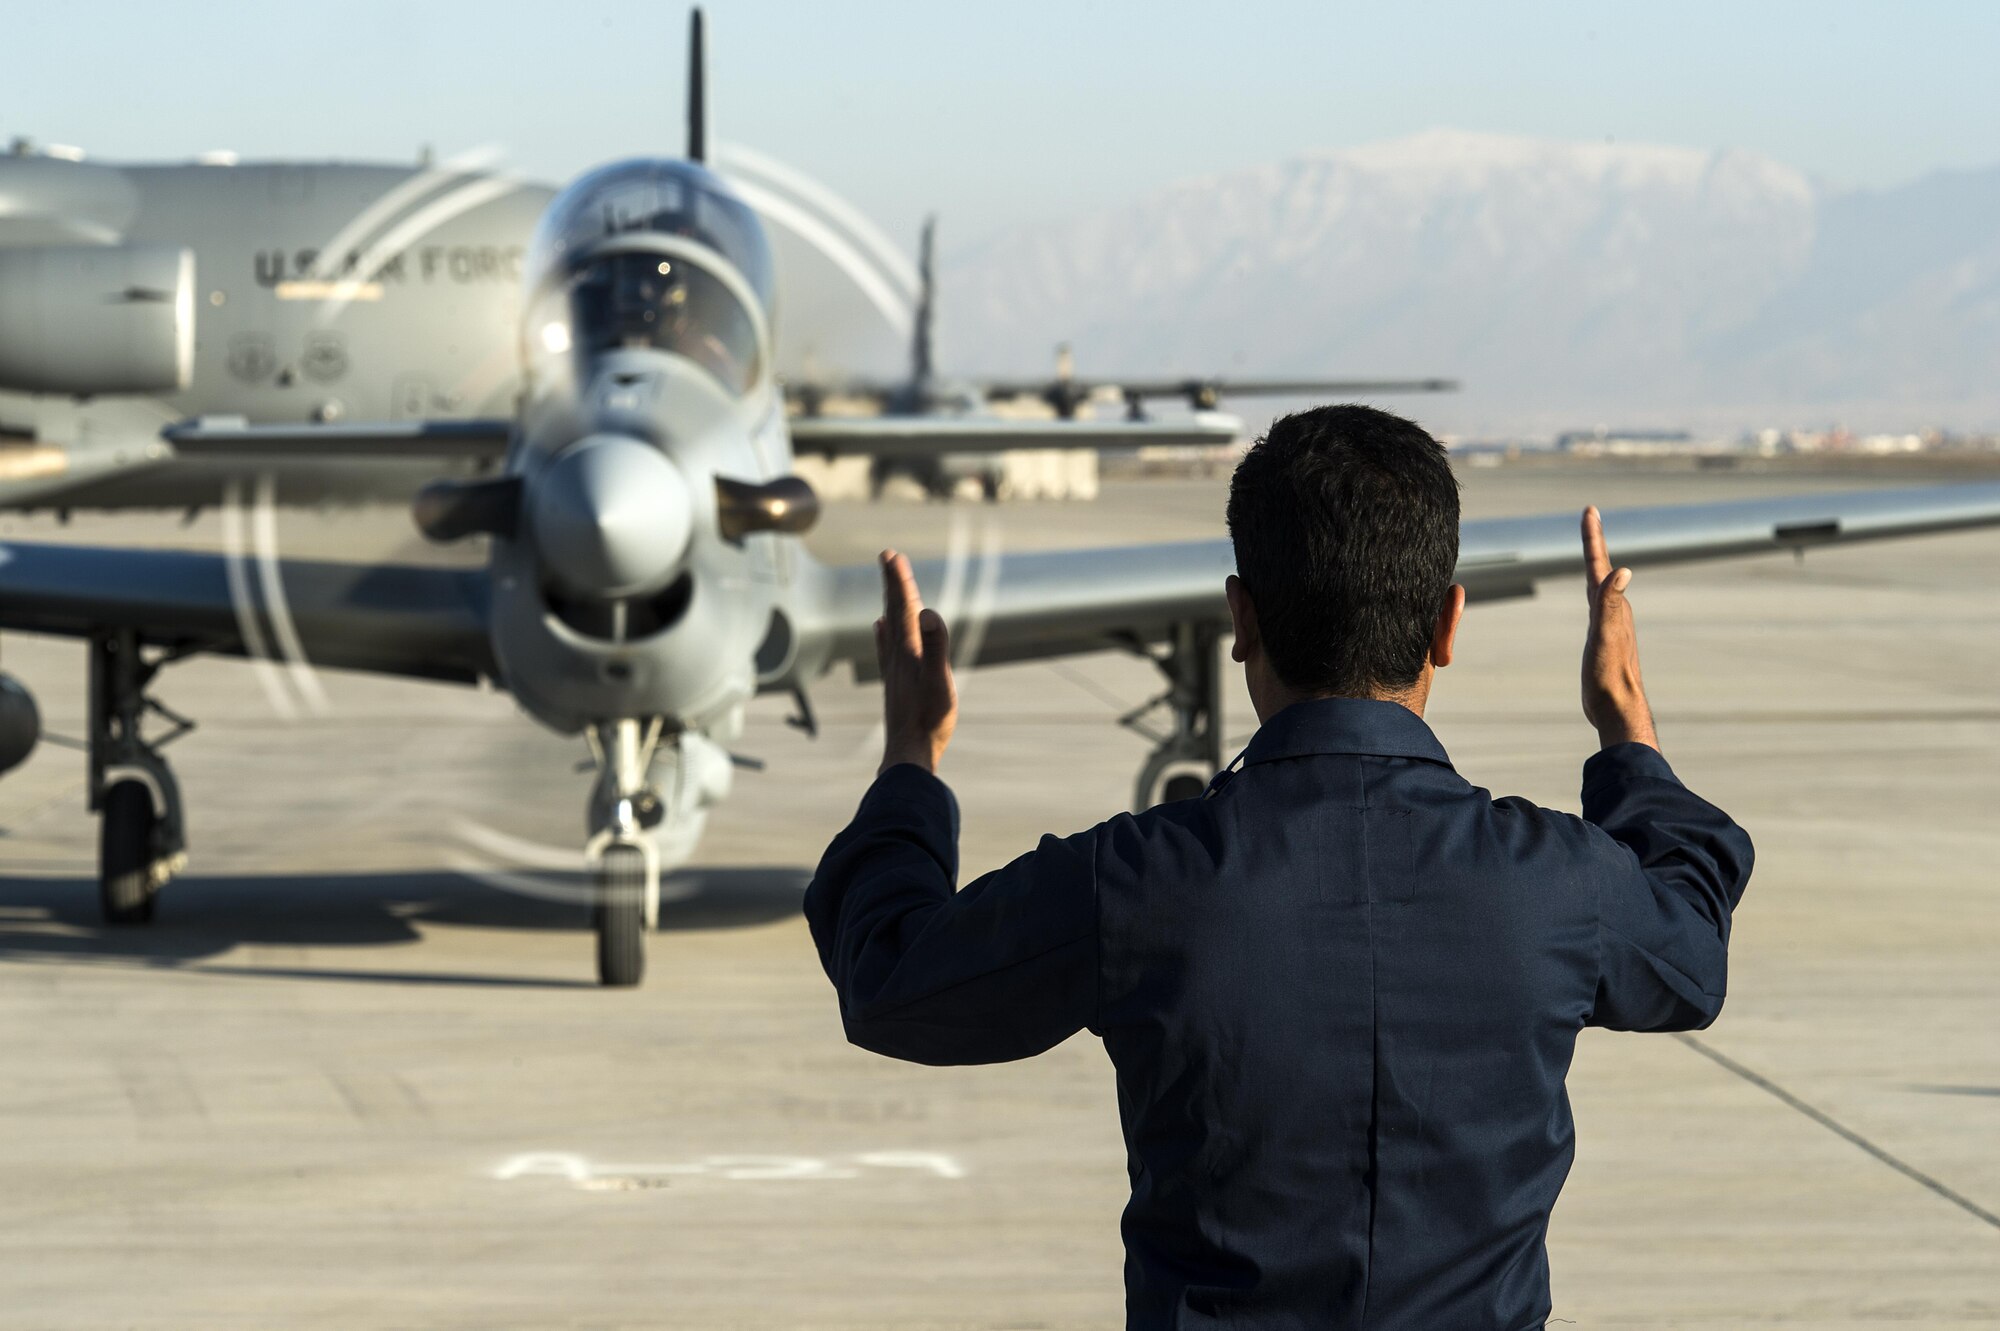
(1188, 753)
(142, 838)
(625, 864)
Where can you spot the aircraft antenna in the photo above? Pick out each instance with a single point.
(697, 90)
(920, 338)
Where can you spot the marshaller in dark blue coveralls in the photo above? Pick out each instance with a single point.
(1342, 990)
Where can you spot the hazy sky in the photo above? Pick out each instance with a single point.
(998, 113)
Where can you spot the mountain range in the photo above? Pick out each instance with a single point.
(1565, 284)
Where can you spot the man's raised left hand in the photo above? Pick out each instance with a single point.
(913, 649)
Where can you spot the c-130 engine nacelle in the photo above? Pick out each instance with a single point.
(90, 319)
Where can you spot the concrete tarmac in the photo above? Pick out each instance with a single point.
(358, 1074)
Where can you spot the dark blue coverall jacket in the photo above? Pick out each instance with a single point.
(1341, 994)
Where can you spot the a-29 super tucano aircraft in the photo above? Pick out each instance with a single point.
(645, 580)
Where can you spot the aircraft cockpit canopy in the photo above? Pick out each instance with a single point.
(597, 284)
(647, 299)
(658, 197)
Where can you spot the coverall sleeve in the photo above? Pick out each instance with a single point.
(1675, 873)
(1003, 969)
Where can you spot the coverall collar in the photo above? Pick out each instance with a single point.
(1345, 725)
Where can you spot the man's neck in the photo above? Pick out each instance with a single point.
(1275, 696)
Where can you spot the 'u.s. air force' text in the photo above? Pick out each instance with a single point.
(426, 264)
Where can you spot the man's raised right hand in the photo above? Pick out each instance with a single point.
(1614, 696)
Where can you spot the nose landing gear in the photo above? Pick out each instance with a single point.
(656, 781)
(625, 864)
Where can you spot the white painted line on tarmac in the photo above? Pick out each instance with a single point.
(588, 1175)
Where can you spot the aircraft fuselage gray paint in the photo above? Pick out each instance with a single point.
(320, 291)
(691, 663)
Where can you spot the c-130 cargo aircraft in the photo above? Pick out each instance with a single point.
(134, 296)
(645, 579)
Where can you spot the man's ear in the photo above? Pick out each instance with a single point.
(1243, 615)
(1444, 635)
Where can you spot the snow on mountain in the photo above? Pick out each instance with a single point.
(1565, 283)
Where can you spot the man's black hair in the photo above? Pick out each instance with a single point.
(1345, 522)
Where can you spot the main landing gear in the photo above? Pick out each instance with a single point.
(142, 836)
(1188, 752)
(624, 861)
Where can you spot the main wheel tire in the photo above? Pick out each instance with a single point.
(621, 917)
(1166, 778)
(125, 853)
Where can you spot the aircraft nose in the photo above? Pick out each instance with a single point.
(612, 517)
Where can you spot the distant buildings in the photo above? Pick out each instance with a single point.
(1604, 441)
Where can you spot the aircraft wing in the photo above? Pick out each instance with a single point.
(37, 474)
(914, 437)
(1203, 393)
(426, 623)
(232, 436)
(1057, 603)
(895, 437)
(1279, 387)
(1506, 556)
(1066, 392)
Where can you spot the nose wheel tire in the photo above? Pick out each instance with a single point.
(125, 853)
(1186, 786)
(621, 917)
